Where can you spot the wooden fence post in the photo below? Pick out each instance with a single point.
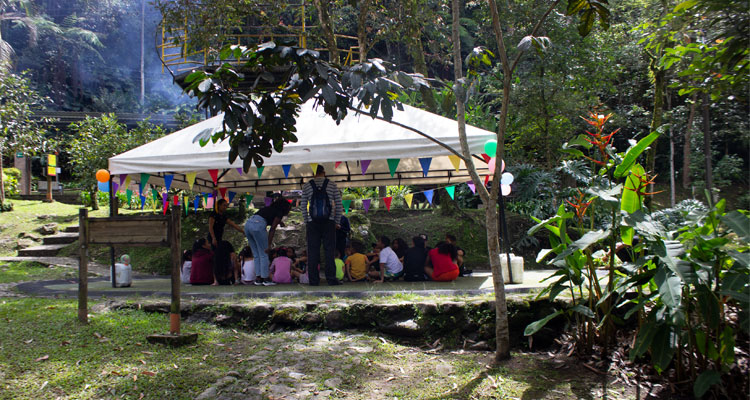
(83, 268)
(175, 246)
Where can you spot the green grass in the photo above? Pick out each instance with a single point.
(25, 271)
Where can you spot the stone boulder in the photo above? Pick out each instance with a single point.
(48, 229)
(24, 243)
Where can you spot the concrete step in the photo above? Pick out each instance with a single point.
(49, 250)
(61, 238)
(71, 229)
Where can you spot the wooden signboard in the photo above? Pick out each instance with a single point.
(129, 231)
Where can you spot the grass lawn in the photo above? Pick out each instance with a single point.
(25, 271)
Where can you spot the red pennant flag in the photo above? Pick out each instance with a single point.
(486, 158)
(387, 201)
(337, 164)
(223, 192)
(176, 200)
(486, 180)
(214, 175)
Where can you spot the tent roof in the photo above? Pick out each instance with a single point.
(320, 141)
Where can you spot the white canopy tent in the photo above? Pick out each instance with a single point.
(343, 149)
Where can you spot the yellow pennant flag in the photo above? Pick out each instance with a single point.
(314, 167)
(190, 176)
(408, 198)
(456, 161)
(127, 181)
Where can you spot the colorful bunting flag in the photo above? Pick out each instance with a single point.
(205, 198)
(127, 180)
(364, 164)
(314, 167)
(239, 171)
(164, 202)
(143, 201)
(472, 187)
(486, 180)
(176, 200)
(115, 186)
(408, 198)
(267, 201)
(230, 196)
(190, 177)
(248, 200)
(425, 164)
(155, 194)
(168, 181)
(122, 179)
(144, 181)
(286, 169)
(129, 194)
(456, 161)
(197, 203)
(429, 194)
(223, 192)
(214, 175)
(185, 205)
(337, 164)
(486, 157)
(366, 205)
(387, 201)
(346, 204)
(392, 165)
(211, 201)
(451, 191)
(260, 171)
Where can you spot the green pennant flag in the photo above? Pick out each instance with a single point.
(185, 204)
(144, 181)
(155, 194)
(260, 171)
(129, 193)
(451, 191)
(392, 165)
(346, 204)
(248, 200)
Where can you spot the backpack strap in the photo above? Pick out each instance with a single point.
(325, 184)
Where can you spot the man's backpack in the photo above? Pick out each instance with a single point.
(320, 205)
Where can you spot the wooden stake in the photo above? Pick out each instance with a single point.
(83, 268)
(174, 241)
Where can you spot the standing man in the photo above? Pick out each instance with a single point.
(322, 210)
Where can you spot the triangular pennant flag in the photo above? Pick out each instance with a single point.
(260, 171)
(190, 177)
(164, 202)
(456, 161)
(144, 181)
(364, 164)
(314, 167)
(387, 201)
(122, 179)
(337, 164)
(176, 200)
(129, 194)
(127, 180)
(408, 198)
(197, 203)
(267, 201)
(205, 198)
(155, 194)
(223, 192)
(472, 187)
(214, 175)
(115, 186)
(365, 205)
(143, 200)
(103, 186)
(392, 165)
(486, 157)
(211, 201)
(346, 204)
(425, 164)
(185, 205)
(239, 171)
(451, 191)
(429, 194)
(286, 169)
(248, 200)
(168, 181)
(230, 196)
(486, 180)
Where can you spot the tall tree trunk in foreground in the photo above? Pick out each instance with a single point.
(325, 23)
(2, 183)
(656, 118)
(364, 44)
(686, 145)
(416, 48)
(707, 144)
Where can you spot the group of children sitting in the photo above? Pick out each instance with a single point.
(389, 260)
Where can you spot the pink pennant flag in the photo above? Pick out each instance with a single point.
(214, 175)
(365, 164)
(472, 186)
(387, 201)
(366, 205)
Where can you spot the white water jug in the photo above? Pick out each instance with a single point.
(123, 272)
(516, 267)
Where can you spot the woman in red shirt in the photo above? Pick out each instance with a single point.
(440, 265)
(202, 272)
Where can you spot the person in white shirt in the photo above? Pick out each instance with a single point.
(390, 266)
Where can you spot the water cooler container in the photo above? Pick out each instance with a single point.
(516, 267)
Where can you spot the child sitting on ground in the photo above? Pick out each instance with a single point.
(339, 266)
(281, 267)
(356, 263)
(299, 268)
(390, 266)
(187, 265)
(247, 261)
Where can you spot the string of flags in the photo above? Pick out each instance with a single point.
(207, 200)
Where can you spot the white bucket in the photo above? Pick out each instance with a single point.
(516, 267)
(123, 275)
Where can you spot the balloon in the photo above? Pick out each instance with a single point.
(491, 165)
(103, 187)
(506, 179)
(490, 148)
(102, 175)
(505, 189)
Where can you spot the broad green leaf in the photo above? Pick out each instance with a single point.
(643, 340)
(632, 155)
(708, 305)
(726, 345)
(704, 382)
(583, 310)
(631, 202)
(662, 348)
(626, 234)
(670, 288)
(739, 223)
(586, 241)
(683, 6)
(534, 327)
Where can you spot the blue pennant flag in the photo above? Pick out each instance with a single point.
(286, 169)
(429, 194)
(168, 181)
(425, 164)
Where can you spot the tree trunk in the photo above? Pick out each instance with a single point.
(671, 155)
(448, 206)
(707, 144)
(416, 48)
(364, 45)
(94, 199)
(656, 120)
(686, 149)
(2, 183)
(325, 24)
